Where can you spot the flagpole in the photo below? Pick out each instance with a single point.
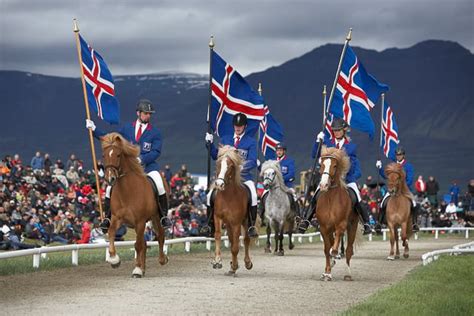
(380, 141)
(326, 111)
(86, 103)
(260, 92)
(211, 48)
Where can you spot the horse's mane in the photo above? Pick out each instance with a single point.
(343, 162)
(398, 169)
(231, 153)
(130, 152)
(275, 165)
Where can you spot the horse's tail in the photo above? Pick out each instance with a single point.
(154, 220)
(359, 238)
(409, 226)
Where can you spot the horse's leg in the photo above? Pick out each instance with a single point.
(277, 232)
(392, 230)
(281, 252)
(217, 262)
(114, 258)
(160, 233)
(248, 262)
(269, 245)
(405, 238)
(234, 234)
(397, 249)
(140, 248)
(351, 235)
(326, 275)
(290, 233)
(339, 231)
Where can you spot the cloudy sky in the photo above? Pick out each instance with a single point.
(149, 36)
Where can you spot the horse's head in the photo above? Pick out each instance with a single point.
(395, 178)
(227, 167)
(118, 155)
(271, 173)
(328, 172)
(268, 178)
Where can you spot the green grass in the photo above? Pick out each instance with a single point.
(444, 287)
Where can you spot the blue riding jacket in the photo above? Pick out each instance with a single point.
(354, 172)
(247, 149)
(287, 166)
(150, 143)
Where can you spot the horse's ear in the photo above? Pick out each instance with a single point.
(117, 139)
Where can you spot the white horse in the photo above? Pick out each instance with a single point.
(277, 205)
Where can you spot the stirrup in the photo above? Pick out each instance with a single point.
(252, 231)
(165, 222)
(368, 229)
(415, 228)
(303, 226)
(104, 225)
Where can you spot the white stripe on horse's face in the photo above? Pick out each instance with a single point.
(220, 178)
(111, 152)
(324, 184)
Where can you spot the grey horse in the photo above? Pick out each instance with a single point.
(277, 205)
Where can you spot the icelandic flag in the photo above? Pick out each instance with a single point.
(99, 85)
(327, 128)
(390, 138)
(356, 94)
(231, 94)
(271, 133)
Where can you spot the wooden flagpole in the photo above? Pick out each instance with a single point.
(380, 141)
(86, 103)
(260, 92)
(211, 48)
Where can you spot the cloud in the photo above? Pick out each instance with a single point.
(145, 36)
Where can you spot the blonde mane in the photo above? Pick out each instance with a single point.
(398, 169)
(275, 165)
(343, 162)
(231, 153)
(130, 152)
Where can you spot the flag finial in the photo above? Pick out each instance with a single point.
(76, 27)
(349, 35)
(324, 90)
(260, 90)
(211, 42)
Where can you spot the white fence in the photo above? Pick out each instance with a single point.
(38, 253)
(456, 250)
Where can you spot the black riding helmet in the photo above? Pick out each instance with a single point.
(280, 146)
(399, 151)
(338, 124)
(239, 119)
(146, 106)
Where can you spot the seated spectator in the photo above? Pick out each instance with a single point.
(97, 235)
(85, 233)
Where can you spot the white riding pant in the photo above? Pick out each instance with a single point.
(249, 184)
(154, 175)
(387, 194)
(351, 185)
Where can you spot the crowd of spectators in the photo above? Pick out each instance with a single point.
(45, 201)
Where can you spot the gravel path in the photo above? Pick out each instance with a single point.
(188, 284)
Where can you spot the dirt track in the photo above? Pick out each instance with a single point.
(188, 284)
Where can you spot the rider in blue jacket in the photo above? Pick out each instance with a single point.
(247, 148)
(409, 172)
(341, 141)
(141, 133)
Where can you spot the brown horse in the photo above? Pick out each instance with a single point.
(132, 201)
(398, 209)
(230, 207)
(334, 209)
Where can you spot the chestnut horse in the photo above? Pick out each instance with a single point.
(132, 201)
(230, 207)
(334, 209)
(398, 209)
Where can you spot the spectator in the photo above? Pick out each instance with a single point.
(432, 189)
(183, 173)
(72, 175)
(451, 210)
(47, 163)
(420, 186)
(168, 174)
(85, 233)
(454, 191)
(97, 235)
(72, 162)
(37, 162)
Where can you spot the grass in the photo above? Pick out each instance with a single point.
(444, 287)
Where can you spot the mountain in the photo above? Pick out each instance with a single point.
(431, 93)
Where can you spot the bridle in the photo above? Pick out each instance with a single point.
(331, 178)
(270, 178)
(116, 168)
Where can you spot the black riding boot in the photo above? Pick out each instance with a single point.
(306, 220)
(261, 208)
(164, 220)
(209, 229)
(105, 224)
(381, 219)
(414, 218)
(253, 232)
(364, 216)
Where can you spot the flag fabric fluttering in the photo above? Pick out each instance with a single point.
(390, 138)
(356, 94)
(327, 128)
(231, 94)
(271, 133)
(99, 85)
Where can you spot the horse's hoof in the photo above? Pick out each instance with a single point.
(397, 257)
(405, 255)
(390, 258)
(348, 278)
(338, 257)
(291, 246)
(268, 250)
(333, 262)
(164, 261)
(326, 277)
(280, 253)
(217, 265)
(115, 265)
(230, 273)
(136, 276)
(249, 265)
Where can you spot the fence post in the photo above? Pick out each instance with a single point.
(75, 257)
(370, 237)
(208, 245)
(300, 240)
(226, 243)
(384, 235)
(107, 254)
(187, 246)
(36, 260)
(416, 236)
(165, 249)
(467, 233)
(310, 239)
(436, 234)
